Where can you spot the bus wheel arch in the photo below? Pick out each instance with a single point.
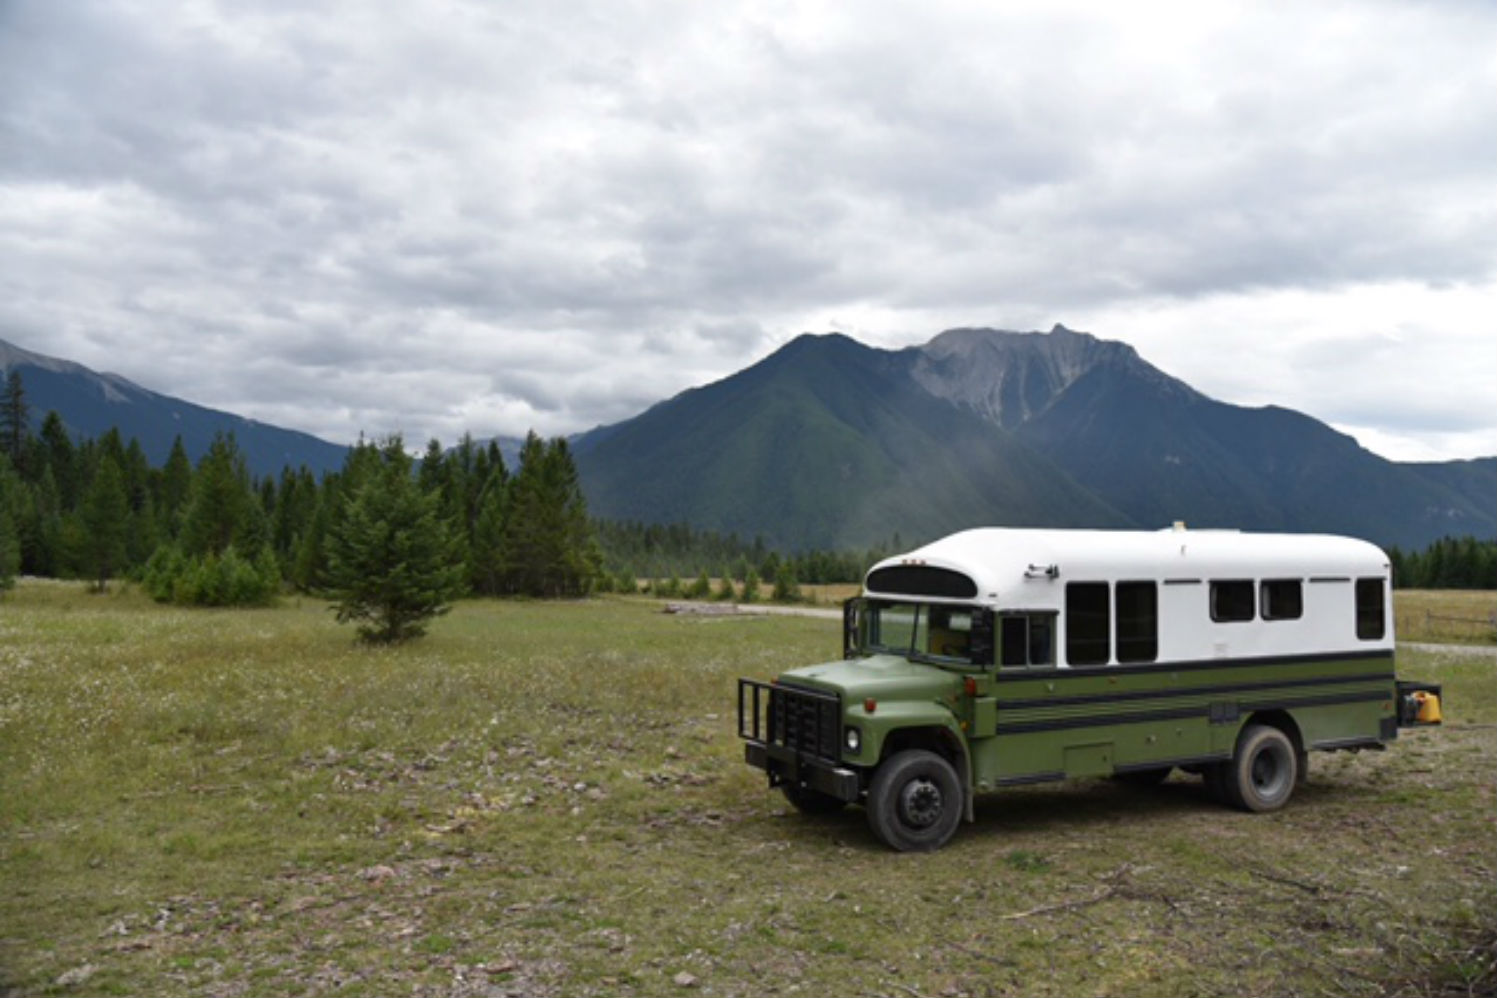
(944, 743)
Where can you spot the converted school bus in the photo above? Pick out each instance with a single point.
(997, 657)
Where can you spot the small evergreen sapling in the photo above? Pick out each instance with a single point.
(393, 563)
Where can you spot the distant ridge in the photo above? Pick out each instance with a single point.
(830, 443)
(90, 404)
(826, 443)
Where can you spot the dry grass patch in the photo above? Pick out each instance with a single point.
(550, 799)
(1446, 616)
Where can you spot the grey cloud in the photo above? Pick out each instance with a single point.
(536, 191)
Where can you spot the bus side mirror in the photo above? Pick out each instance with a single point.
(982, 643)
(850, 610)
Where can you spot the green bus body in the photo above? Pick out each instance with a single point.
(914, 733)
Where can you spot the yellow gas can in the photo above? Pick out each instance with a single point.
(1429, 707)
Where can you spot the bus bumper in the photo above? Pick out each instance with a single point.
(787, 766)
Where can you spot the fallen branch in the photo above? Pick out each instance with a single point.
(1101, 895)
(1046, 909)
(1289, 881)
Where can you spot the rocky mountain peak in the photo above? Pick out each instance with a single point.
(1010, 377)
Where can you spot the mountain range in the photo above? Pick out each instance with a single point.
(90, 404)
(830, 443)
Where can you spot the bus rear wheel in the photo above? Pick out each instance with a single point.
(1262, 773)
(915, 802)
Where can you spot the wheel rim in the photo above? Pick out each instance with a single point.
(1270, 772)
(921, 803)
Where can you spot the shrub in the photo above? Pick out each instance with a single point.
(786, 589)
(228, 579)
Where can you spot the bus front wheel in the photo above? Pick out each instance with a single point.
(915, 802)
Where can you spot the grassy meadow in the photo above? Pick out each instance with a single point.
(1446, 616)
(550, 798)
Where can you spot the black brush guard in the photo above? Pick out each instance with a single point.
(794, 734)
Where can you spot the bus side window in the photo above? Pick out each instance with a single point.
(1281, 599)
(1371, 625)
(1042, 639)
(1014, 641)
(1088, 623)
(1232, 600)
(1137, 605)
(1027, 639)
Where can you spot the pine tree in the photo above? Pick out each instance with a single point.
(488, 555)
(10, 550)
(701, 588)
(581, 560)
(309, 561)
(549, 547)
(391, 557)
(786, 589)
(176, 484)
(725, 591)
(14, 419)
(219, 506)
(526, 548)
(11, 489)
(41, 529)
(105, 518)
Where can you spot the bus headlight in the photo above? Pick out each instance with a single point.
(853, 740)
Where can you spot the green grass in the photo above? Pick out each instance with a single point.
(550, 798)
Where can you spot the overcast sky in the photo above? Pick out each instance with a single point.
(492, 216)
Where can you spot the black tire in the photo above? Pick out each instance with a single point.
(809, 801)
(915, 802)
(1214, 776)
(1263, 771)
(1144, 777)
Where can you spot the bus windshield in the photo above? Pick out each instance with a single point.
(919, 630)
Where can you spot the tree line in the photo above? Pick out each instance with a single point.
(213, 534)
(457, 523)
(1449, 563)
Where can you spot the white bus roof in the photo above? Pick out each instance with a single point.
(999, 559)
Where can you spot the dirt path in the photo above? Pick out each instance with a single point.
(751, 610)
(1474, 651)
